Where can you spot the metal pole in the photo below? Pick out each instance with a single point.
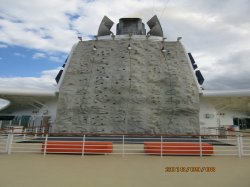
(239, 146)
(161, 145)
(217, 133)
(45, 145)
(83, 144)
(36, 133)
(43, 130)
(200, 141)
(123, 140)
(10, 140)
(24, 133)
(20, 120)
(7, 143)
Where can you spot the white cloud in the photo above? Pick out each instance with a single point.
(45, 82)
(210, 28)
(20, 55)
(38, 24)
(39, 55)
(55, 59)
(50, 74)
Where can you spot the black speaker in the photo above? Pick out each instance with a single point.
(199, 76)
(194, 66)
(59, 76)
(191, 58)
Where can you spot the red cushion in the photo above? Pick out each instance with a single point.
(177, 148)
(78, 147)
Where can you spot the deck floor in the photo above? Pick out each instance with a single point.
(29, 170)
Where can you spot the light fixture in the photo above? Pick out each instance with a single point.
(179, 38)
(80, 38)
(129, 47)
(163, 50)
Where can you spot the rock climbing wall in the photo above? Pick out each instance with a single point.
(116, 90)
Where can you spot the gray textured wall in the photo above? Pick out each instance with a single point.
(141, 90)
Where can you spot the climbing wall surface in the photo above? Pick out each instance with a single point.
(116, 90)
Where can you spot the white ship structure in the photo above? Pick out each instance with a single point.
(131, 82)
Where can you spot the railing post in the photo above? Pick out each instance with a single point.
(83, 145)
(36, 132)
(43, 130)
(45, 145)
(217, 133)
(239, 146)
(200, 141)
(20, 121)
(9, 143)
(161, 145)
(123, 142)
(24, 133)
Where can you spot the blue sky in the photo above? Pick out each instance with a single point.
(17, 61)
(36, 36)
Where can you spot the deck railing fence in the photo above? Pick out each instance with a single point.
(124, 144)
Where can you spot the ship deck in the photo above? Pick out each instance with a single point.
(29, 170)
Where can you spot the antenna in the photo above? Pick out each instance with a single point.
(153, 7)
(164, 9)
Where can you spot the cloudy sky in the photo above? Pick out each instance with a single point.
(37, 35)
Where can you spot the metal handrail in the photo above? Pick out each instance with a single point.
(124, 144)
(126, 134)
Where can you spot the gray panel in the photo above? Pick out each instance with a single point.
(155, 26)
(105, 26)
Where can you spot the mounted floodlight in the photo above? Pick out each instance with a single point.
(105, 26)
(129, 47)
(179, 38)
(80, 38)
(155, 27)
(163, 50)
